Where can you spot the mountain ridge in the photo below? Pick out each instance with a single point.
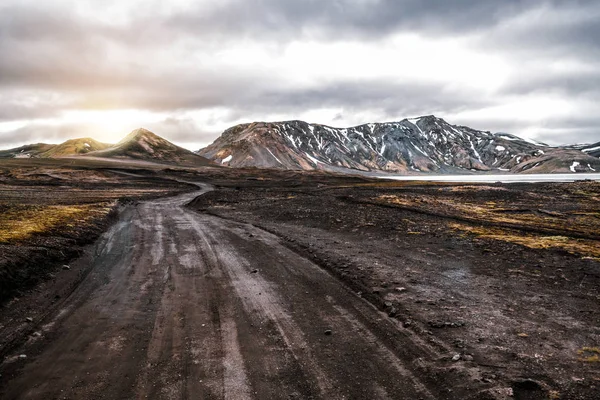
(426, 144)
(411, 145)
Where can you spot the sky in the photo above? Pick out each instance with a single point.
(187, 70)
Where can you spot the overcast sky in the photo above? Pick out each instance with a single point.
(190, 69)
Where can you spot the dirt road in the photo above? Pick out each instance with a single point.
(183, 305)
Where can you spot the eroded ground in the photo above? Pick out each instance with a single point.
(504, 276)
(287, 285)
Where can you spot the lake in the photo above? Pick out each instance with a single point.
(505, 178)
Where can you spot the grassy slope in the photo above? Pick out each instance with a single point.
(74, 147)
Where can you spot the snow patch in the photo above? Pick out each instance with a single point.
(506, 137)
(475, 151)
(382, 149)
(291, 140)
(591, 149)
(227, 159)
(415, 121)
(500, 148)
(535, 142)
(314, 160)
(460, 132)
(573, 166)
(419, 149)
(274, 156)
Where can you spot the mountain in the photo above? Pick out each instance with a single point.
(141, 144)
(424, 144)
(41, 150)
(74, 147)
(27, 151)
(592, 149)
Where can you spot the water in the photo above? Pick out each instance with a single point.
(505, 178)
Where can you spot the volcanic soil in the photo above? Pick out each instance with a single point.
(253, 284)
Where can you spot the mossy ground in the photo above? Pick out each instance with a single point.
(21, 222)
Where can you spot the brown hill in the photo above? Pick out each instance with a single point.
(141, 144)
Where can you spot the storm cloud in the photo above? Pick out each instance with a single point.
(190, 69)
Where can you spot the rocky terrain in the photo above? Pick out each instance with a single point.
(425, 144)
(500, 279)
(141, 144)
(293, 284)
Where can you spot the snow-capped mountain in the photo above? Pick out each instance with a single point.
(425, 144)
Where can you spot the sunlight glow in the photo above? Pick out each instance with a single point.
(111, 125)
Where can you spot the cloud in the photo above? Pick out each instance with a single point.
(549, 29)
(343, 18)
(391, 100)
(40, 133)
(194, 67)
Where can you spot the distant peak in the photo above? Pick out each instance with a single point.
(431, 118)
(141, 131)
(425, 118)
(77, 140)
(137, 134)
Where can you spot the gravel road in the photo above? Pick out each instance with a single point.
(184, 305)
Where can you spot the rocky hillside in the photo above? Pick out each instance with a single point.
(142, 144)
(425, 144)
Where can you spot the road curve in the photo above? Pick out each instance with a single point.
(182, 305)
